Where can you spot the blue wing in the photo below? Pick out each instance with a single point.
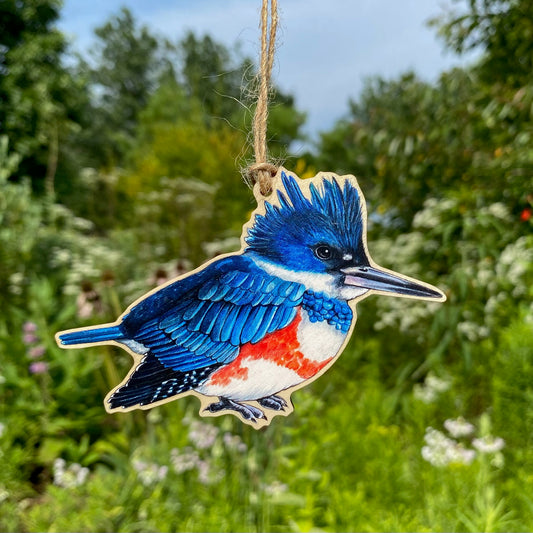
(205, 318)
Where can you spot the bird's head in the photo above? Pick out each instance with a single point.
(320, 242)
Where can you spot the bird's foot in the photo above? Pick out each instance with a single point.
(248, 412)
(273, 402)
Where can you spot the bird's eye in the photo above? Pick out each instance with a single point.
(323, 252)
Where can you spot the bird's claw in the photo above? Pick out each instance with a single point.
(273, 402)
(248, 412)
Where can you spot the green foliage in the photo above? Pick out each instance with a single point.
(373, 445)
(211, 77)
(284, 123)
(226, 92)
(39, 98)
(447, 170)
(362, 470)
(502, 29)
(129, 63)
(183, 177)
(485, 264)
(407, 140)
(20, 219)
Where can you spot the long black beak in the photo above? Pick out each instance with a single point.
(383, 281)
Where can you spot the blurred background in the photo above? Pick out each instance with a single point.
(122, 138)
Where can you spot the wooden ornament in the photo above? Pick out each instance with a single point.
(245, 330)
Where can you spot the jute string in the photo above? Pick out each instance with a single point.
(262, 171)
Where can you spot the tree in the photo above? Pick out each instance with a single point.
(224, 86)
(210, 75)
(39, 98)
(127, 65)
(197, 129)
(502, 30)
(406, 139)
(178, 143)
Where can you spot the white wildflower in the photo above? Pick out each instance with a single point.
(202, 435)
(182, 462)
(424, 394)
(234, 442)
(82, 224)
(436, 383)
(276, 487)
(69, 477)
(488, 444)
(427, 218)
(88, 176)
(441, 450)
(149, 473)
(394, 313)
(471, 330)
(483, 332)
(221, 246)
(160, 250)
(154, 416)
(499, 210)
(386, 319)
(459, 427)
(15, 283)
(60, 257)
(483, 276)
(514, 262)
(431, 215)
(189, 459)
(431, 388)
(204, 472)
(494, 302)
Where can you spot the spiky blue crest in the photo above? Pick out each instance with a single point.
(285, 233)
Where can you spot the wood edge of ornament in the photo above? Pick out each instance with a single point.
(205, 401)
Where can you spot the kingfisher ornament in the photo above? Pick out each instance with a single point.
(245, 330)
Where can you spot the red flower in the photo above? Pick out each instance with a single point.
(525, 215)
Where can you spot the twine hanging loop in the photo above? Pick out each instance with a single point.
(262, 172)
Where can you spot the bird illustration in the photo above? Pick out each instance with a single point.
(245, 330)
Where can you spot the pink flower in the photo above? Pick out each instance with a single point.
(39, 367)
(36, 351)
(29, 338)
(29, 327)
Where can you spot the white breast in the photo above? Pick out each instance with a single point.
(319, 341)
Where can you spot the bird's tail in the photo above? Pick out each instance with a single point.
(87, 336)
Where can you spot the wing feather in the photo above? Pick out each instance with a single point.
(218, 326)
(229, 303)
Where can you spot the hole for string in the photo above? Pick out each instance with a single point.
(262, 173)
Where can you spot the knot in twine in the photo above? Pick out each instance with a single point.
(262, 172)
